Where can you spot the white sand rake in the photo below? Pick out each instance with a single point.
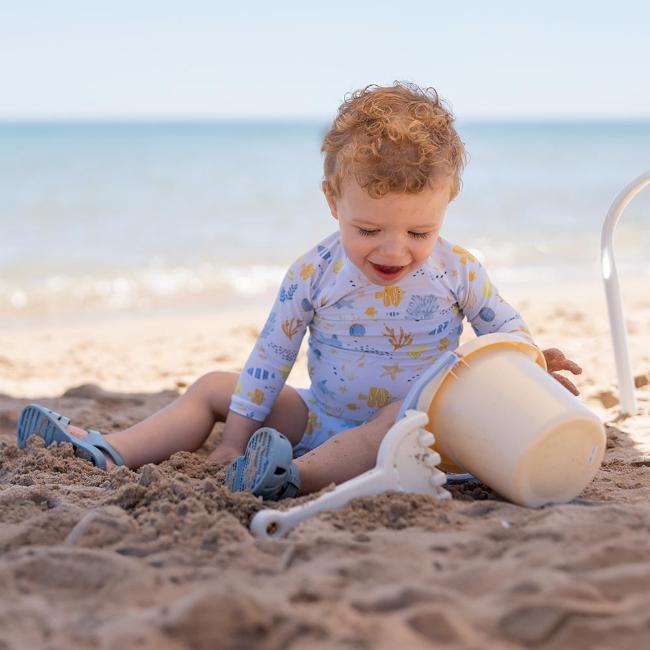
(405, 463)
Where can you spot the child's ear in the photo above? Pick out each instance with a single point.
(330, 198)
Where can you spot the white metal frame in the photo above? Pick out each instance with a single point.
(613, 293)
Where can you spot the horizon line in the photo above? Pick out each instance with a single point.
(272, 119)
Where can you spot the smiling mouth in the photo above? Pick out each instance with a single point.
(387, 270)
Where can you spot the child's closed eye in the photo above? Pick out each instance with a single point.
(367, 233)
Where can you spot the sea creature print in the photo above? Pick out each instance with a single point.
(352, 406)
(377, 397)
(344, 303)
(486, 314)
(422, 307)
(400, 340)
(306, 305)
(257, 397)
(291, 326)
(371, 312)
(260, 373)
(392, 371)
(356, 329)
(306, 271)
(338, 265)
(269, 326)
(390, 296)
(288, 293)
(369, 349)
(417, 351)
(464, 256)
(325, 253)
(440, 329)
(321, 385)
(443, 344)
(487, 289)
(313, 423)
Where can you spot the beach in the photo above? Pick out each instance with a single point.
(161, 557)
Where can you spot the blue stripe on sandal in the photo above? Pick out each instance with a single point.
(36, 420)
(266, 469)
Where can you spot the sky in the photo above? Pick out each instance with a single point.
(207, 59)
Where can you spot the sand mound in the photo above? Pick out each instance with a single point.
(162, 557)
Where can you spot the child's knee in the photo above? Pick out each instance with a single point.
(215, 382)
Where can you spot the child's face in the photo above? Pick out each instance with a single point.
(388, 238)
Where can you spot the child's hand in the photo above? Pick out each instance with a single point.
(555, 360)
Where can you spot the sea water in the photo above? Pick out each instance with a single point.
(134, 216)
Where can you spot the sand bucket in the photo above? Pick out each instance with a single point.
(497, 414)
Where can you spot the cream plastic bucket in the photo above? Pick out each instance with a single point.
(499, 415)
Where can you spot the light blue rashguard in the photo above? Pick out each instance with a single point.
(368, 343)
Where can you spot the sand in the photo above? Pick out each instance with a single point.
(162, 557)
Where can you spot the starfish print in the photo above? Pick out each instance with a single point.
(392, 371)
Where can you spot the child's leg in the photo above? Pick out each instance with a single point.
(346, 454)
(185, 424)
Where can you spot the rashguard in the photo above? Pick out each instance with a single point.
(367, 343)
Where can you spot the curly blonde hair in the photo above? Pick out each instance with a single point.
(398, 138)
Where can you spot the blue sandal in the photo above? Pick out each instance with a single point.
(266, 469)
(36, 420)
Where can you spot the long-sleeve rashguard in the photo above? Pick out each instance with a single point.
(368, 343)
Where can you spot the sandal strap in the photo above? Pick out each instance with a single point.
(96, 439)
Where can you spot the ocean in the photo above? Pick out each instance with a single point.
(112, 217)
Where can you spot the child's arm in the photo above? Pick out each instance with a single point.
(270, 362)
(488, 312)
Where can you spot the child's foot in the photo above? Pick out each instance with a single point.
(266, 469)
(53, 427)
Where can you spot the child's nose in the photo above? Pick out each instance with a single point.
(393, 248)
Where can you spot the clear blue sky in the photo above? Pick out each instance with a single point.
(259, 59)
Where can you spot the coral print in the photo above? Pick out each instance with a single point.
(289, 293)
(398, 341)
(390, 296)
(291, 326)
